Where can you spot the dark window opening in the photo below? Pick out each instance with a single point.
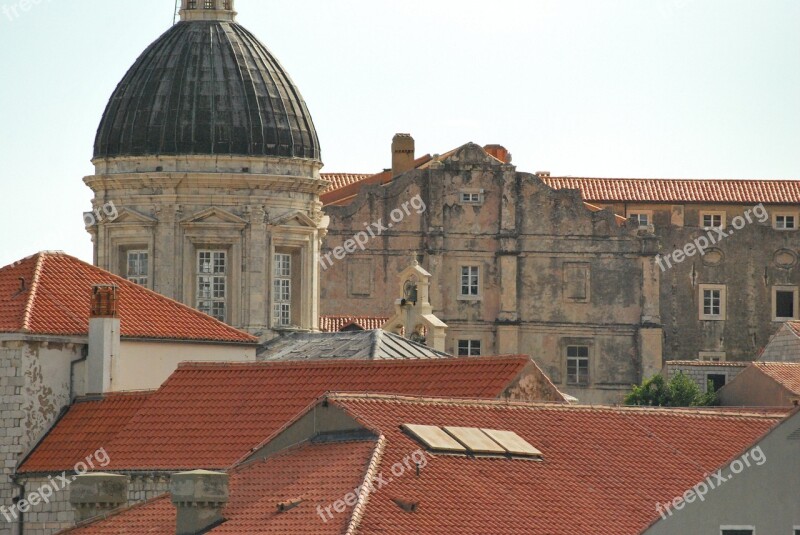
(717, 381)
(784, 304)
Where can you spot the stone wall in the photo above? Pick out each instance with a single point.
(699, 371)
(783, 347)
(552, 272)
(58, 513)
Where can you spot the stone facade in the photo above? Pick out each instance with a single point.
(542, 274)
(35, 386)
(784, 346)
(59, 513)
(702, 372)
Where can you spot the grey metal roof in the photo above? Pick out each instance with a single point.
(357, 345)
(207, 87)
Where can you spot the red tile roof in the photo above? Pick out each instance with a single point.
(88, 426)
(317, 474)
(787, 374)
(57, 295)
(603, 471)
(332, 324)
(794, 326)
(340, 180)
(681, 190)
(210, 415)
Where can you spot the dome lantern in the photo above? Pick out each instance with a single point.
(207, 10)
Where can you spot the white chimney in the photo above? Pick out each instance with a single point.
(104, 339)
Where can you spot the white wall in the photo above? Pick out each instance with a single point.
(146, 365)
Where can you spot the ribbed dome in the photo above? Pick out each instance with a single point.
(207, 87)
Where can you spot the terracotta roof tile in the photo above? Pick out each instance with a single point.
(707, 363)
(680, 190)
(332, 324)
(57, 296)
(340, 180)
(794, 326)
(88, 426)
(245, 403)
(603, 471)
(317, 474)
(785, 373)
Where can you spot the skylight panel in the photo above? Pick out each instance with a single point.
(513, 443)
(434, 438)
(475, 440)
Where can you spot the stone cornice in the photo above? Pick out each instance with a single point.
(175, 182)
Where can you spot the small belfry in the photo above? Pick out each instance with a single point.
(215, 175)
(192, 10)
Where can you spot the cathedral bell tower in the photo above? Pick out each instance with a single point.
(211, 161)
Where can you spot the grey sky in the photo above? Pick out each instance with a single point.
(623, 88)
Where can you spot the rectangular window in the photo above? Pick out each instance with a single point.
(212, 283)
(712, 219)
(208, 4)
(785, 222)
(736, 530)
(282, 290)
(643, 219)
(470, 281)
(712, 356)
(192, 4)
(469, 348)
(137, 267)
(578, 365)
(713, 302)
(785, 303)
(470, 197)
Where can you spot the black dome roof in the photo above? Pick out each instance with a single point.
(207, 87)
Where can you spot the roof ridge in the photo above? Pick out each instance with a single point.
(31, 300)
(349, 362)
(366, 490)
(477, 402)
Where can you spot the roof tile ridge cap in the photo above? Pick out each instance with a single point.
(461, 402)
(31, 301)
(377, 341)
(360, 508)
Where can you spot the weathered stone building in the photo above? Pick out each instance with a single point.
(211, 158)
(517, 267)
(728, 302)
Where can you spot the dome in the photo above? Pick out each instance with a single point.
(207, 87)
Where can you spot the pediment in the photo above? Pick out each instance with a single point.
(212, 216)
(471, 153)
(126, 215)
(294, 219)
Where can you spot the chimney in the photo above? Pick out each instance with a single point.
(543, 174)
(97, 494)
(499, 152)
(199, 497)
(402, 154)
(104, 339)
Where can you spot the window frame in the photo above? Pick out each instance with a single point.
(138, 278)
(723, 529)
(713, 213)
(461, 277)
(215, 277)
(785, 214)
(470, 343)
(723, 302)
(795, 290)
(639, 213)
(282, 281)
(713, 356)
(471, 196)
(716, 374)
(578, 359)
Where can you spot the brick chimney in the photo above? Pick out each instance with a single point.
(199, 497)
(96, 494)
(499, 152)
(104, 339)
(402, 154)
